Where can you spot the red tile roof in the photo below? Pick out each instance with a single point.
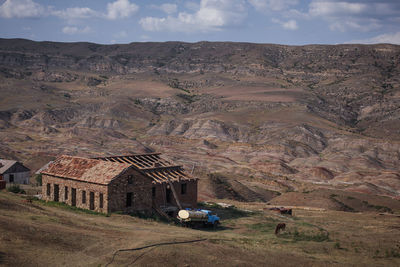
(84, 169)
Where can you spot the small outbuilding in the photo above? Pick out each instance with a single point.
(2, 183)
(14, 172)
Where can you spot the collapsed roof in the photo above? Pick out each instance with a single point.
(153, 166)
(103, 170)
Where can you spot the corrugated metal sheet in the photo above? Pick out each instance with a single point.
(6, 164)
(153, 166)
(84, 169)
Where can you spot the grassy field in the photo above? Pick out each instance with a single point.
(46, 234)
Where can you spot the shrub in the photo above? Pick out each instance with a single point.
(188, 98)
(16, 189)
(392, 253)
(38, 179)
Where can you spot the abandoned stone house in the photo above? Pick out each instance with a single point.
(130, 183)
(14, 172)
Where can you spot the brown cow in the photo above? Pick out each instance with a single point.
(280, 227)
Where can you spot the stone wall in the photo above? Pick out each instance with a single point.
(188, 199)
(80, 187)
(114, 194)
(140, 189)
(131, 183)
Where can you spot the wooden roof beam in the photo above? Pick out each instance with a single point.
(167, 177)
(145, 160)
(133, 163)
(138, 162)
(172, 167)
(160, 178)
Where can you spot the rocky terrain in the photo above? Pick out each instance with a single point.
(252, 121)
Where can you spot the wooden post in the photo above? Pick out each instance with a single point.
(174, 192)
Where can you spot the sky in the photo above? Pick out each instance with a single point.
(291, 22)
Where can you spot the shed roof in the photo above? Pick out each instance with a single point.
(153, 166)
(5, 164)
(86, 170)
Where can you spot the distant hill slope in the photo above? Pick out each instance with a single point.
(257, 59)
(353, 84)
(264, 117)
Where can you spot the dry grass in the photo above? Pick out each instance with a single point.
(37, 234)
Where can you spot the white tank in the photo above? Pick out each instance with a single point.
(192, 215)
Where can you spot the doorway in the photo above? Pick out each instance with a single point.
(73, 196)
(11, 178)
(91, 200)
(56, 192)
(168, 195)
(129, 199)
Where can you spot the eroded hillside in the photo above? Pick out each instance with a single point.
(250, 120)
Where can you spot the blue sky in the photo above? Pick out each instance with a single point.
(292, 22)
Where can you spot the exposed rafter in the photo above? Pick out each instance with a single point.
(153, 166)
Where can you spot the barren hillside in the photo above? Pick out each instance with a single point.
(251, 120)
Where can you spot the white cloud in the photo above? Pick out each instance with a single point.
(391, 38)
(354, 7)
(75, 30)
(272, 5)
(288, 25)
(212, 15)
(355, 15)
(76, 13)
(21, 9)
(167, 8)
(362, 25)
(193, 6)
(158, 24)
(121, 9)
(115, 10)
(327, 8)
